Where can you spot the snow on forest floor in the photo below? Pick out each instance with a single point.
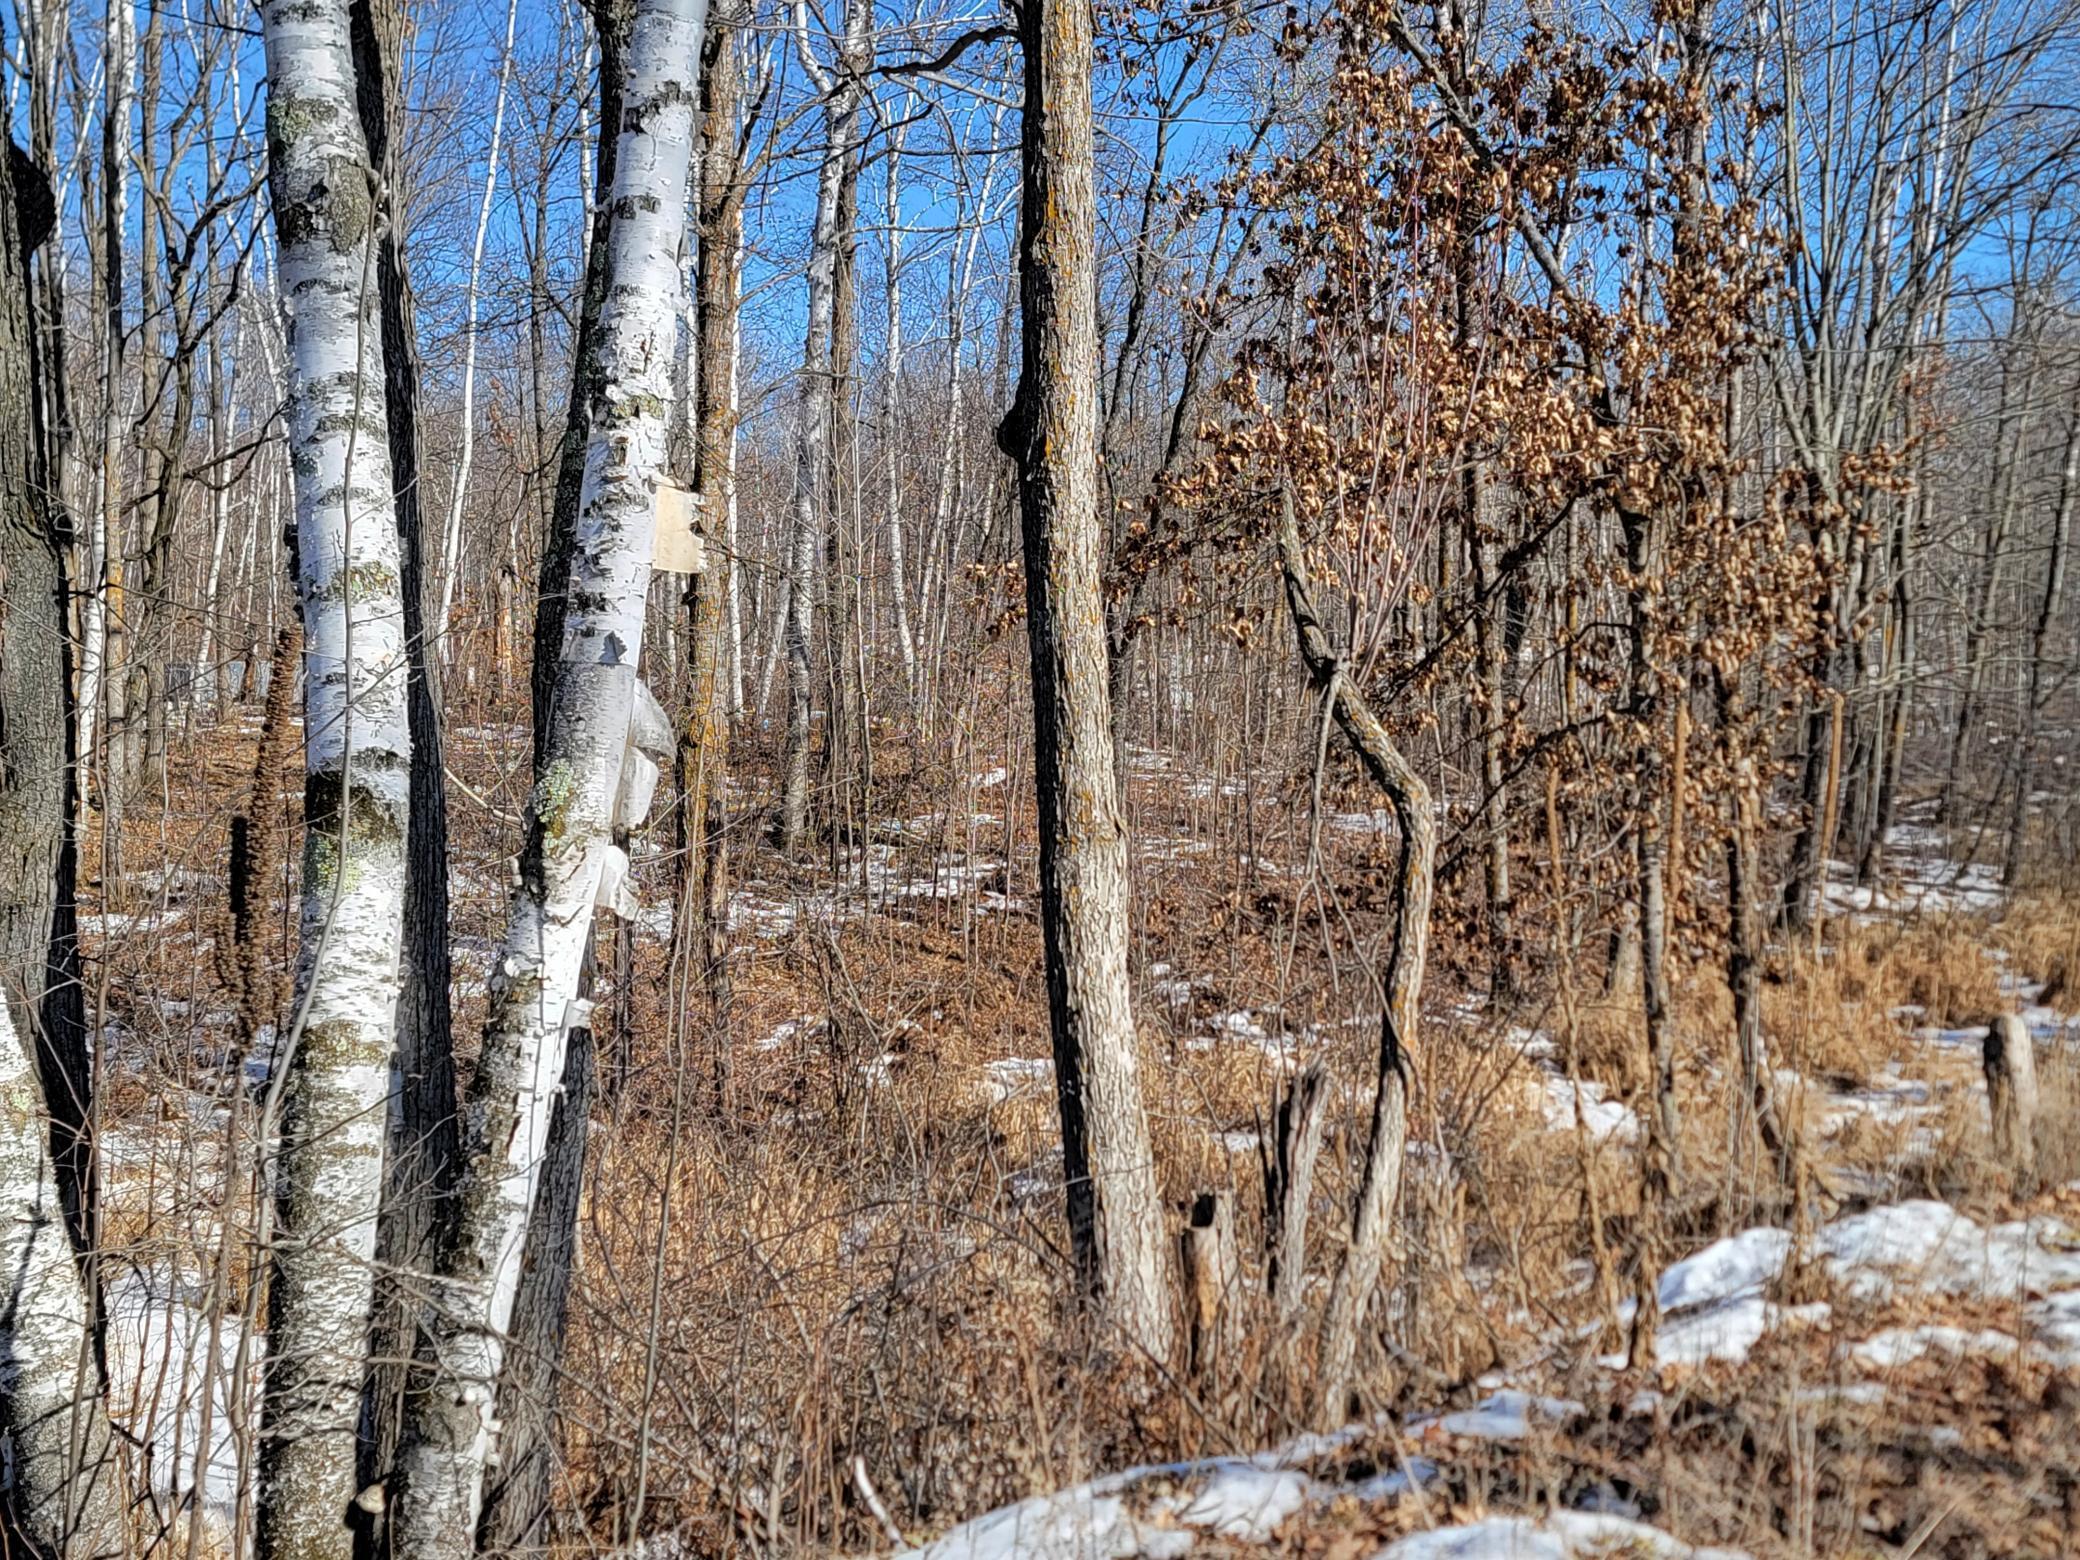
(1893, 1268)
(1889, 1286)
(1878, 1291)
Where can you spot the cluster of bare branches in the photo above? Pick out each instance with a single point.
(1627, 463)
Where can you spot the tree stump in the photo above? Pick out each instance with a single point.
(1213, 1278)
(2011, 1091)
(1303, 1114)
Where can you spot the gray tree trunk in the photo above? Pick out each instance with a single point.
(2040, 648)
(67, 1495)
(818, 397)
(1379, 1186)
(1115, 1220)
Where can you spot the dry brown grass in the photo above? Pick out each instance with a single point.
(2040, 933)
(864, 1257)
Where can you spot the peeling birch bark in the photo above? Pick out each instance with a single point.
(570, 861)
(333, 1080)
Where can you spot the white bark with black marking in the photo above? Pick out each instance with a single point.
(328, 1167)
(452, 1436)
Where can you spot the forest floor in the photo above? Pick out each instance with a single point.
(864, 1335)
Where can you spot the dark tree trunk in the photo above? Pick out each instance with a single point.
(62, 1493)
(610, 20)
(516, 1499)
(423, 1144)
(704, 741)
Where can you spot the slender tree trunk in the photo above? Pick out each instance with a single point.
(818, 399)
(570, 862)
(2039, 650)
(891, 407)
(847, 761)
(1660, 1169)
(1379, 1186)
(1115, 1221)
(704, 742)
(333, 1065)
(100, 667)
(1486, 502)
(2017, 412)
(423, 1138)
(451, 549)
(66, 1493)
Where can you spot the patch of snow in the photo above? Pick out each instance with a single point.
(1729, 1331)
(1714, 1309)
(789, 1030)
(1502, 1416)
(1564, 1101)
(1565, 1535)
(1739, 1265)
(159, 1366)
(1157, 1512)
(1013, 1075)
(1897, 1346)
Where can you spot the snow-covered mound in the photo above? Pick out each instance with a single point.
(1898, 1267)
(1928, 1252)
(1167, 1512)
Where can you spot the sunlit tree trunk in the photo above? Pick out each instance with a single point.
(1368, 1255)
(817, 400)
(333, 1064)
(1115, 1220)
(570, 862)
(451, 548)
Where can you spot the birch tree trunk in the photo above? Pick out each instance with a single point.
(891, 398)
(1115, 1221)
(451, 549)
(570, 862)
(610, 20)
(333, 1065)
(812, 483)
(97, 695)
(66, 1495)
(516, 1496)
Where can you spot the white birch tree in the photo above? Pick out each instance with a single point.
(841, 92)
(589, 782)
(332, 1067)
(451, 550)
